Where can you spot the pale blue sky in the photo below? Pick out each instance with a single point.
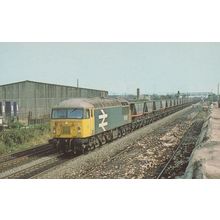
(116, 67)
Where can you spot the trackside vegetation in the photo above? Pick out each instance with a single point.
(18, 137)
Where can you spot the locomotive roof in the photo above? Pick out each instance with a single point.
(91, 103)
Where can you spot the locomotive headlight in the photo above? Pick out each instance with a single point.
(78, 130)
(54, 131)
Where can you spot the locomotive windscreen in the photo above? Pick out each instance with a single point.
(74, 113)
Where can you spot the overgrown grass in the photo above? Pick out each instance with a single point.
(18, 137)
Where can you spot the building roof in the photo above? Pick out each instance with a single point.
(29, 81)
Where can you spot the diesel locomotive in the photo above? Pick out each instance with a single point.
(80, 124)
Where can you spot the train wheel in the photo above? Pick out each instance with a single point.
(61, 147)
(109, 137)
(91, 143)
(119, 133)
(133, 126)
(103, 140)
(84, 149)
(58, 147)
(123, 132)
(97, 143)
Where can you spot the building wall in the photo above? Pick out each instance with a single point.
(35, 99)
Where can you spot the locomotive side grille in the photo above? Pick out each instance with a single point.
(66, 130)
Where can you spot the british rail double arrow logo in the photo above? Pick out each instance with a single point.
(104, 123)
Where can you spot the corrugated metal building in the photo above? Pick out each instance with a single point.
(33, 100)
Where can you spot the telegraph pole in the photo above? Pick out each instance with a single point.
(218, 90)
(77, 88)
(138, 93)
(218, 96)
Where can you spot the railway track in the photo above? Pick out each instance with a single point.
(15, 159)
(35, 169)
(187, 143)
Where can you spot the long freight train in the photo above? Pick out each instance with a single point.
(81, 124)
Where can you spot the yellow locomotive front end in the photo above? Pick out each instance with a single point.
(70, 126)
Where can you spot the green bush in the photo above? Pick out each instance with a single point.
(20, 135)
(15, 125)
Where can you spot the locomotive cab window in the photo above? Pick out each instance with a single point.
(59, 113)
(91, 113)
(87, 113)
(74, 113)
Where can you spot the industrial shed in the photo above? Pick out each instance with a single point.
(29, 100)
